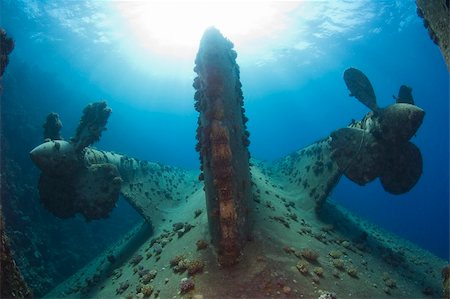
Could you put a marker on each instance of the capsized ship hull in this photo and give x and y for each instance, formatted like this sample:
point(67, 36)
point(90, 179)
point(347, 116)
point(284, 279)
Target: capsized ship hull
point(266, 229)
point(293, 251)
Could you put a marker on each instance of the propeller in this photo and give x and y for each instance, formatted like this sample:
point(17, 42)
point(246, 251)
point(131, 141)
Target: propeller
point(379, 146)
point(69, 184)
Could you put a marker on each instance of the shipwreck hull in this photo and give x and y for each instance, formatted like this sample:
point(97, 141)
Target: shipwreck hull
point(341, 253)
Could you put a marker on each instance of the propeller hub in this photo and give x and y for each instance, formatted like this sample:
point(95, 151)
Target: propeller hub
point(399, 122)
point(55, 157)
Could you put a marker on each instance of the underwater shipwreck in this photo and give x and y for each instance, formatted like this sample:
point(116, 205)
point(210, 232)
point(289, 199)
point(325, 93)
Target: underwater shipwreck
point(242, 228)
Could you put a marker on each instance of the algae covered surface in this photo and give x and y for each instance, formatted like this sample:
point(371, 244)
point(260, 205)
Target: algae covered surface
point(297, 149)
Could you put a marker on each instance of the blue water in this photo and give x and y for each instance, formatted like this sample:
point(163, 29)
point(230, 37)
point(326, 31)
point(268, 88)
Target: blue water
point(293, 87)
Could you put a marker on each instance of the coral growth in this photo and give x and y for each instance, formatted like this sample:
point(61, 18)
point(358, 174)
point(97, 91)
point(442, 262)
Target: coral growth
point(122, 287)
point(186, 285)
point(149, 276)
point(180, 263)
point(339, 264)
point(327, 295)
point(335, 254)
point(176, 260)
point(146, 290)
point(219, 134)
point(221, 153)
point(12, 283)
point(352, 271)
point(303, 267)
point(177, 226)
point(318, 271)
point(185, 229)
point(194, 267)
point(310, 254)
point(201, 244)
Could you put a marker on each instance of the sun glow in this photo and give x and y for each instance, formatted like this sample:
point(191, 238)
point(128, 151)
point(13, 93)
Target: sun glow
point(174, 29)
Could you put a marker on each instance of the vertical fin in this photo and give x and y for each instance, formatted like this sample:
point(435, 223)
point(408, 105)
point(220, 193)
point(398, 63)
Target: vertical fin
point(222, 143)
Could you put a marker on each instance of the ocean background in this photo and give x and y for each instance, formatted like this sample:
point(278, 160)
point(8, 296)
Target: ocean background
point(139, 57)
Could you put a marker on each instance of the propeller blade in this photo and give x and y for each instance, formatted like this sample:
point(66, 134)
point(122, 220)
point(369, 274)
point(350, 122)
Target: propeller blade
point(52, 127)
point(58, 195)
point(399, 122)
point(92, 124)
point(92, 191)
point(403, 168)
point(358, 154)
point(98, 189)
point(405, 95)
point(360, 87)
